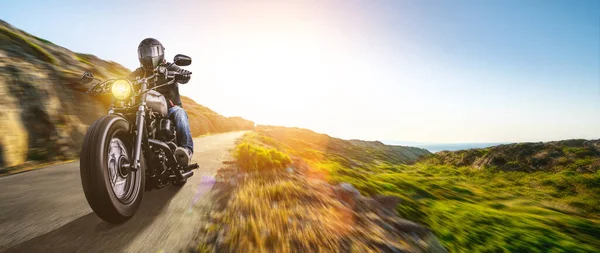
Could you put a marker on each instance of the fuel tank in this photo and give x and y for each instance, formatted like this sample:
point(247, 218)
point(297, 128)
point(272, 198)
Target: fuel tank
point(157, 102)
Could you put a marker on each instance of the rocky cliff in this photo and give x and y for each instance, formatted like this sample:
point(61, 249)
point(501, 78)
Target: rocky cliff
point(577, 155)
point(44, 116)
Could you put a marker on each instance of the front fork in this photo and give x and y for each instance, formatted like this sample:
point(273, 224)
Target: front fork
point(139, 122)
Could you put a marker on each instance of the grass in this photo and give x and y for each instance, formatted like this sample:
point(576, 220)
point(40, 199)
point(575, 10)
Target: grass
point(29, 166)
point(496, 228)
point(469, 209)
point(269, 209)
point(502, 211)
point(43, 40)
point(83, 58)
point(41, 53)
point(253, 157)
point(266, 213)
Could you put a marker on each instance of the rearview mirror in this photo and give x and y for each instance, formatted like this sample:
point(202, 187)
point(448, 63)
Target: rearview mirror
point(87, 77)
point(182, 60)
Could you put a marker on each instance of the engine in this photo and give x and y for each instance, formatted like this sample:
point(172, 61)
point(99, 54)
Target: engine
point(166, 130)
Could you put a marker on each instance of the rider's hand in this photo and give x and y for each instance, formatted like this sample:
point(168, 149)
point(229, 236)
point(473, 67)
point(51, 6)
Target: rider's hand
point(184, 76)
point(184, 72)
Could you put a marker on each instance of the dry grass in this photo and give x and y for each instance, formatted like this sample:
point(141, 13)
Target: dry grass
point(287, 212)
point(284, 215)
point(252, 157)
point(29, 166)
point(280, 207)
point(497, 211)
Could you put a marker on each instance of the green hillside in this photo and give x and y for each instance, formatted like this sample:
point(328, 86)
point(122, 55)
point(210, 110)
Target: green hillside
point(471, 207)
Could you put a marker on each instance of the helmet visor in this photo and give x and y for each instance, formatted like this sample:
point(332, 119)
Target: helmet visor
point(153, 51)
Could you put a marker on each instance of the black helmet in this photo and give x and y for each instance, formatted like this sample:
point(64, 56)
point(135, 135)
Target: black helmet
point(151, 53)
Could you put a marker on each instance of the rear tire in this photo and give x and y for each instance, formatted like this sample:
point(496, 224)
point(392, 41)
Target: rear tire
point(113, 194)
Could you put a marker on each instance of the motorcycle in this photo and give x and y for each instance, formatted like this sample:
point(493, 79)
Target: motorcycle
point(130, 150)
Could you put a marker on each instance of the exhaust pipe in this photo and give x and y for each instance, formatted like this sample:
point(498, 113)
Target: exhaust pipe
point(187, 174)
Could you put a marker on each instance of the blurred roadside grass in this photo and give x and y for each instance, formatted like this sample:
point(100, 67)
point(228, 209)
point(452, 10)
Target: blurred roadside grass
point(255, 158)
point(284, 214)
point(264, 207)
point(470, 210)
point(474, 210)
point(29, 166)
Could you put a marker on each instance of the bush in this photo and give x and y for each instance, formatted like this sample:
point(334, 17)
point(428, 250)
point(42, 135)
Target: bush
point(251, 157)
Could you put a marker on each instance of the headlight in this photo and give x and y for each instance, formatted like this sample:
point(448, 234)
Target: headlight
point(121, 89)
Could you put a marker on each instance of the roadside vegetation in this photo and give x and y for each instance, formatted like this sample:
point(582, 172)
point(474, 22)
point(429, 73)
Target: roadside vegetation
point(268, 201)
point(31, 46)
point(469, 208)
point(488, 210)
point(251, 157)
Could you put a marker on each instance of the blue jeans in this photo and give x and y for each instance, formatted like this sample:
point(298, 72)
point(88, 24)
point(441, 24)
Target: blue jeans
point(182, 126)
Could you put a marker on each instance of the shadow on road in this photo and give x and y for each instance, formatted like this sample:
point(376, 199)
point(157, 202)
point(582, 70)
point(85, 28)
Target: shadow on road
point(91, 234)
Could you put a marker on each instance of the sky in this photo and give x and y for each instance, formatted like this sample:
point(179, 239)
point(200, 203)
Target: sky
point(427, 71)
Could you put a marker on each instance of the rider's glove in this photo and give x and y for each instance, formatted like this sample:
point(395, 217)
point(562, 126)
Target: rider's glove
point(184, 76)
point(185, 72)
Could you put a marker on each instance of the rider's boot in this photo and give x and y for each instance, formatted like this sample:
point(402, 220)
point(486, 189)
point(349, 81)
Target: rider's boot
point(183, 155)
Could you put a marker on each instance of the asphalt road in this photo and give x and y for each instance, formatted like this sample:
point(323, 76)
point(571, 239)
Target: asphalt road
point(45, 210)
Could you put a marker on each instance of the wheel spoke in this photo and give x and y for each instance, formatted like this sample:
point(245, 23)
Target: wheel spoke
point(117, 155)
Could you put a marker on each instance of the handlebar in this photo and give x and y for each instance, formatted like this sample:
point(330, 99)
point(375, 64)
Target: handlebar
point(174, 74)
point(171, 76)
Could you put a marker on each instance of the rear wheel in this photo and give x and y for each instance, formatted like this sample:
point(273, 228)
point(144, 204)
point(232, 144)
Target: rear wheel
point(113, 191)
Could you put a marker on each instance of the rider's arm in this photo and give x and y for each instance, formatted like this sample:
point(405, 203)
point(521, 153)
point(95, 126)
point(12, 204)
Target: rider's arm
point(138, 72)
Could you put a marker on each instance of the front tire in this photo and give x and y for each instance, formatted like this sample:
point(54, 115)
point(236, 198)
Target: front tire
point(113, 193)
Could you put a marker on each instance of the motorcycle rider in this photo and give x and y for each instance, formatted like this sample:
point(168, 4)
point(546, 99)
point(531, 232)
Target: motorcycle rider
point(151, 54)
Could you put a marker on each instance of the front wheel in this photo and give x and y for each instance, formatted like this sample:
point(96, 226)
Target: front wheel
point(113, 191)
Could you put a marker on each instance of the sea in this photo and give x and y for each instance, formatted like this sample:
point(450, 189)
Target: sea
point(436, 147)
